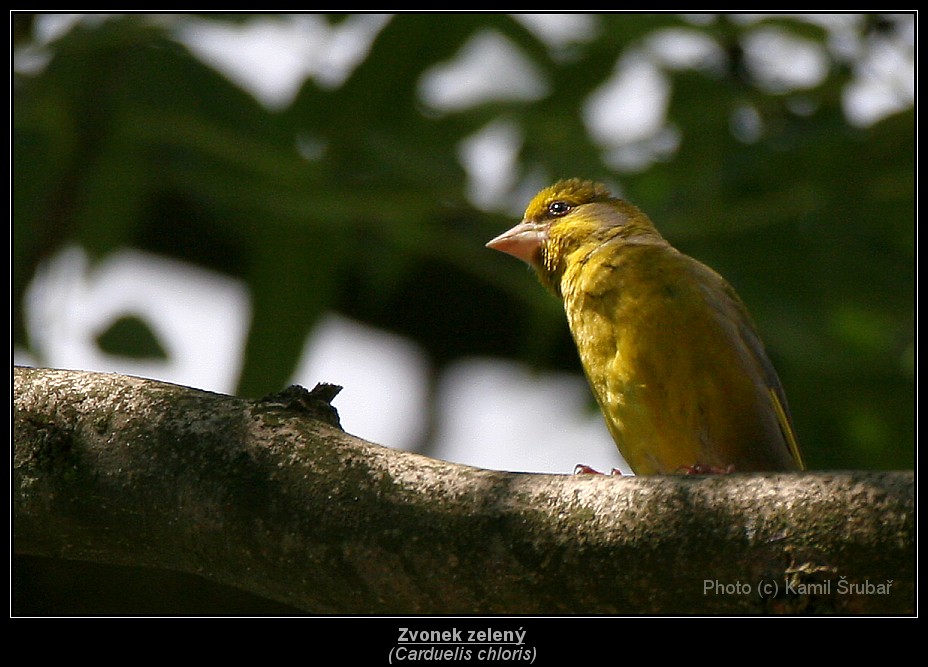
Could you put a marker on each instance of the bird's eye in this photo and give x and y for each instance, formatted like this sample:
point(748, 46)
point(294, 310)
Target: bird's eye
point(558, 208)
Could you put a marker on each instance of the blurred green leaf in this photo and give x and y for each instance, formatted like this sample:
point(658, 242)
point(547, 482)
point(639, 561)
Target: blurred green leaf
point(131, 336)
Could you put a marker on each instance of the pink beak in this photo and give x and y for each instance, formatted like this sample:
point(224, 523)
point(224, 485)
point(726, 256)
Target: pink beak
point(522, 241)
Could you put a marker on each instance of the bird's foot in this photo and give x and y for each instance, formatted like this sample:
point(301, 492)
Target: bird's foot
point(581, 469)
point(703, 469)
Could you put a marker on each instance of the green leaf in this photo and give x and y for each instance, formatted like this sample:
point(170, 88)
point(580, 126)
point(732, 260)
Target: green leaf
point(130, 336)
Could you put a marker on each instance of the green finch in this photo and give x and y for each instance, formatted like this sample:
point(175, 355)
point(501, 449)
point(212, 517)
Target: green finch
point(669, 350)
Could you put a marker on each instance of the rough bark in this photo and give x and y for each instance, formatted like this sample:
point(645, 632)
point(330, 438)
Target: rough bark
point(271, 496)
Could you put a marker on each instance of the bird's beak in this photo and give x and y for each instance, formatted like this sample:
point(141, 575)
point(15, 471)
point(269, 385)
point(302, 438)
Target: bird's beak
point(523, 241)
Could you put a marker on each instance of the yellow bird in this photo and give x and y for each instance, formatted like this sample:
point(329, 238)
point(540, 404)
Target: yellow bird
point(668, 348)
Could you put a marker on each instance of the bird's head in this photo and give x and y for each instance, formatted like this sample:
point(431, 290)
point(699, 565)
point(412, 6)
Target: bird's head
point(569, 220)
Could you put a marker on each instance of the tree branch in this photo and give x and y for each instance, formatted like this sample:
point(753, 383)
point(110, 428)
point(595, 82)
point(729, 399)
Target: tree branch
point(272, 497)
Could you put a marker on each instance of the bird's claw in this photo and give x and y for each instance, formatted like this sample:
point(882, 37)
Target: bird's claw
point(581, 469)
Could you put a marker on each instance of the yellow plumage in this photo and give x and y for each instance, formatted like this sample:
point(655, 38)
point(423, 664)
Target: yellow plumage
point(669, 349)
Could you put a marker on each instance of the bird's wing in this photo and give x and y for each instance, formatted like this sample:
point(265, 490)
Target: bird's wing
point(775, 391)
point(783, 419)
